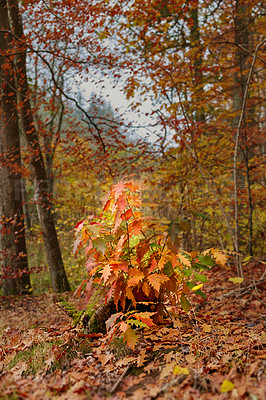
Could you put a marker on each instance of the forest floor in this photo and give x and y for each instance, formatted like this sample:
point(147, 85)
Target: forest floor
point(216, 351)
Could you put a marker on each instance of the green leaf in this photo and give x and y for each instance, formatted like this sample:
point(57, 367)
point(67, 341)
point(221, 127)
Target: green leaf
point(185, 304)
point(227, 386)
point(168, 269)
point(137, 323)
point(200, 266)
point(200, 293)
point(187, 273)
point(207, 260)
point(190, 285)
point(200, 278)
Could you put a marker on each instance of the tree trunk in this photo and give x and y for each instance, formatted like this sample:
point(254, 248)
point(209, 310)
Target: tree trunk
point(242, 20)
point(13, 252)
point(53, 253)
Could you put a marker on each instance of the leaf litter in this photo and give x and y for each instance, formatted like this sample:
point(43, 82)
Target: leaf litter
point(215, 351)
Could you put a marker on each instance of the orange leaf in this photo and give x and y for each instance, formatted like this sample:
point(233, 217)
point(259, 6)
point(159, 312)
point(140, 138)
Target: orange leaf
point(123, 326)
point(130, 296)
point(106, 272)
point(137, 276)
point(146, 288)
point(107, 205)
point(136, 227)
point(126, 215)
point(156, 280)
point(145, 317)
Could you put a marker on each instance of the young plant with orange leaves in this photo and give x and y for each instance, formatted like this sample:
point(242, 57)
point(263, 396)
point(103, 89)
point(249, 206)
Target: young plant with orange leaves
point(134, 261)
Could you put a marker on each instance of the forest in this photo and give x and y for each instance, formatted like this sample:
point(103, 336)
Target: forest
point(132, 199)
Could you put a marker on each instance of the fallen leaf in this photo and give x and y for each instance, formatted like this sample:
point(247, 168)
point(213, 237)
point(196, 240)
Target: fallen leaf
point(236, 280)
point(227, 386)
point(180, 371)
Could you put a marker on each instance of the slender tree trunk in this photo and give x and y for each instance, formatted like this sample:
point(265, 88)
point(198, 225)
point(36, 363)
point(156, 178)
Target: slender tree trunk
point(197, 63)
point(53, 253)
point(242, 17)
point(13, 252)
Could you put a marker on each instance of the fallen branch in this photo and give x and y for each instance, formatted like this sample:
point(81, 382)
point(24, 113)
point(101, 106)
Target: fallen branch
point(115, 387)
point(242, 290)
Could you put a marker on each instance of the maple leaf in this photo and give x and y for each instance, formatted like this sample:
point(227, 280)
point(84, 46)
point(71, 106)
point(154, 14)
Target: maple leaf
point(156, 280)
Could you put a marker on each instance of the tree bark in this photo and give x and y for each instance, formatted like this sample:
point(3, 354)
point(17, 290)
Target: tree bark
point(53, 253)
point(13, 252)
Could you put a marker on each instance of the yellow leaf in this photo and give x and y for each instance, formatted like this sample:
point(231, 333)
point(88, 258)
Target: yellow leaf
point(180, 371)
point(227, 386)
point(236, 280)
point(197, 287)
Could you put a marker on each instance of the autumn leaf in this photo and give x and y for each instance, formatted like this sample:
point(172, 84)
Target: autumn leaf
point(227, 386)
point(184, 260)
point(99, 244)
point(145, 317)
point(130, 296)
point(130, 338)
point(206, 328)
point(219, 257)
point(156, 280)
point(112, 320)
point(127, 215)
point(236, 280)
point(123, 326)
point(137, 276)
point(185, 304)
point(106, 272)
point(146, 288)
point(141, 358)
point(197, 287)
point(180, 371)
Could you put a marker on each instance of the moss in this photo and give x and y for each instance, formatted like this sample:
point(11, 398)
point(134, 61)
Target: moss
point(35, 357)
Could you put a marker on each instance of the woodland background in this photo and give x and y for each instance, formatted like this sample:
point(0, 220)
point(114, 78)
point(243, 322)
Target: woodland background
point(199, 150)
